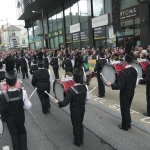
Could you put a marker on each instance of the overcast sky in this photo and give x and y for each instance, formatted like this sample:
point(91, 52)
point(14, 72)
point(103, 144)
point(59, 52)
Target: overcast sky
point(8, 10)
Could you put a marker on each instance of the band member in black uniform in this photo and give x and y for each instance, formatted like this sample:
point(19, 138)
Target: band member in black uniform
point(95, 56)
point(98, 68)
point(34, 67)
point(77, 96)
point(42, 79)
point(12, 105)
point(67, 65)
point(2, 72)
point(55, 64)
point(126, 85)
point(46, 61)
point(24, 68)
point(147, 81)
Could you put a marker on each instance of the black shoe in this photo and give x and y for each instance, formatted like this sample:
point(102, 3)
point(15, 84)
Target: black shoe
point(129, 127)
point(146, 114)
point(44, 112)
point(120, 127)
point(100, 96)
point(75, 144)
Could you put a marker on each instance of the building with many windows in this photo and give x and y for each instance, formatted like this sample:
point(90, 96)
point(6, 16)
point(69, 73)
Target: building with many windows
point(79, 23)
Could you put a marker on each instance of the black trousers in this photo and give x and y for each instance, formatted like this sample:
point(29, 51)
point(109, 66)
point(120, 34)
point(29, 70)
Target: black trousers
point(101, 86)
point(56, 73)
point(17, 132)
point(77, 116)
point(148, 97)
point(45, 101)
point(25, 73)
point(126, 97)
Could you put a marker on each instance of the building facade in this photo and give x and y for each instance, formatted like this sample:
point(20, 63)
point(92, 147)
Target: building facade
point(79, 23)
point(14, 36)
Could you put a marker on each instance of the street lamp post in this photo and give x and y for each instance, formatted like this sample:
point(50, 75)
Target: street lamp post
point(41, 12)
point(8, 30)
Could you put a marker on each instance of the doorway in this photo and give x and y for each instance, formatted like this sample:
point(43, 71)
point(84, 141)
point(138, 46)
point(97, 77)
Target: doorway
point(122, 41)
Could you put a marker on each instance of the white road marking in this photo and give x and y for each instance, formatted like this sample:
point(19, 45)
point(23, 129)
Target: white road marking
point(144, 120)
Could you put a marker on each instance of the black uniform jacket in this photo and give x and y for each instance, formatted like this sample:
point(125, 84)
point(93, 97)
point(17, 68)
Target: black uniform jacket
point(33, 68)
point(22, 62)
point(54, 63)
point(99, 65)
point(40, 80)
point(127, 80)
point(75, 100)
point(67, 65)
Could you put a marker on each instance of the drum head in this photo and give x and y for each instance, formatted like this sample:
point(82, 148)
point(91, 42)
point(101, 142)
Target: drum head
point(109, 73)
point(1, 128)
point(139, 68)
point(58, 90)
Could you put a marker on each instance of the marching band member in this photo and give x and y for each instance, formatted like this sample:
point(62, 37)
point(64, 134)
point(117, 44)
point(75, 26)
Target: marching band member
point(34, 67)
point(98, 68)
point(46, 61)
point(67, 65)
point(77, 96)
point(12, 105)
point(126, 85)
point(24, 67)
point(42, 79)
point(55, 63)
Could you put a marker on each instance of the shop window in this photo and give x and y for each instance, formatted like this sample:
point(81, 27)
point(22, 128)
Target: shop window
point(54, 21)
point(67, 30)
point(52, 43)
point(36, 28)
point(84, 44)
point(67, 14)
point(107, 6)
point(83, 13)
point(50, 24)
point(23, 41)
point(56, 42)
point(61, 39)
point(60, 20)
point(74, 13)
point(84, 25)
point(98, 7)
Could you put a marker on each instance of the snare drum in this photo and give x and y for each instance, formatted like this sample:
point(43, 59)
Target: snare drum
point(1, 128)
point(60, 88)
point(141, 67)
point(4, 86)
point(111, 72)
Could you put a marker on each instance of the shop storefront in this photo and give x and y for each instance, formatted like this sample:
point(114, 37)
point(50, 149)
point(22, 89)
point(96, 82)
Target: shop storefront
point(130, 27)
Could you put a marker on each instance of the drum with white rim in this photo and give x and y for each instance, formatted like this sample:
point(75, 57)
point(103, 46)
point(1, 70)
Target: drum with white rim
point(141, 67)
point(1, 128)
point(111, 71)
point(60, 88)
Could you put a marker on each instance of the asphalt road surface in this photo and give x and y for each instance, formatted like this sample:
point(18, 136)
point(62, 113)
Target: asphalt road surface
point(54, 131)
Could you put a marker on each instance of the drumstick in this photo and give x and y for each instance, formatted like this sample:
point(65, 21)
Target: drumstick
point(92, 90)
point(103, 77)
point(33, 92)
point(49, 95)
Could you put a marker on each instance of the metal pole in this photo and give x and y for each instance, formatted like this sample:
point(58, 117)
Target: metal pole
point(43, 27)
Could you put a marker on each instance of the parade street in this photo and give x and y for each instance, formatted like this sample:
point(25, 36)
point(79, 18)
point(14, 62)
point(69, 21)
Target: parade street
point(54, 131)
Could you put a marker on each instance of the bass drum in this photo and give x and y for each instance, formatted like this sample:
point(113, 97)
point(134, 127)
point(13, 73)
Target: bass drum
point(141, 67)
point(111, 72)
point(1, 128)
point(60, 88)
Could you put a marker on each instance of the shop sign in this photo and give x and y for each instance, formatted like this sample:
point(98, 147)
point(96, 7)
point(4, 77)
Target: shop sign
point(129, 12)
point(37, 39)
point(100, 21)
point(69, 38)
point(60, 32)
point(53, 34)
point(84, 35)
point(31, 40)
point(99, 32)
point(76, 37)
point(75, 28)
